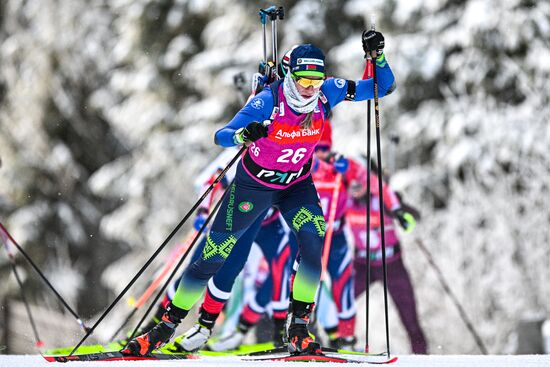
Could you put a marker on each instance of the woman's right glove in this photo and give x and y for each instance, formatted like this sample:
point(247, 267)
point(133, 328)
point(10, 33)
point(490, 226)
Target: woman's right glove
point(252, 132)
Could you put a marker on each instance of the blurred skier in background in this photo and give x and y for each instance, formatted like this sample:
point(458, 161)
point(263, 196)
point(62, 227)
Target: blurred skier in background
point(399, 283)
point(327, 166)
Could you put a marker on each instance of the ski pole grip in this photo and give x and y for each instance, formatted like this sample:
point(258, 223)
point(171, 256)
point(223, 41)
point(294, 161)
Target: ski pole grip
point(281, 13)
point(267, 11)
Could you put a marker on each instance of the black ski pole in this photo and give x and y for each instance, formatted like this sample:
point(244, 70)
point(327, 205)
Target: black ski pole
point(180, 263)
point(8, 236)
point(451, 295)
point(367, 201)
point(161, 247)
point(39, 343)
point(381, 196)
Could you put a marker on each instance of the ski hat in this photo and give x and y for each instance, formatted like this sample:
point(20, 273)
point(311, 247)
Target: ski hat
point(326, 136)
point(307, 60)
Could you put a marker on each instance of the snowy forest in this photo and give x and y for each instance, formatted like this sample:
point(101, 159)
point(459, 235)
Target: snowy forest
point(108, 110)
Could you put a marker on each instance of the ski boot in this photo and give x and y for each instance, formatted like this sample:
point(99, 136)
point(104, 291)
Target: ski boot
point(233, 340)
point(196, 337)
point(299, 339)
point(158, 336)
point(157, 317)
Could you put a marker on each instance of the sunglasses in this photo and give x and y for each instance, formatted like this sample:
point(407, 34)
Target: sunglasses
point(306, 82)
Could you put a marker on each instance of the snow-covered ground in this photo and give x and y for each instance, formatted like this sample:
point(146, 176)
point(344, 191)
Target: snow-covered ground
point(404, 361)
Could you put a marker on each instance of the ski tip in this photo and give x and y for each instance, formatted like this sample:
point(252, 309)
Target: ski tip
point(49, 358)
point(62, 359)
point(392, 360)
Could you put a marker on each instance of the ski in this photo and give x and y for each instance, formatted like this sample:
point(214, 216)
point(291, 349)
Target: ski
point(325, 357)
point(304, 358)
point(275, 354)
point(243, 349)
point(323, 349)
point(351, 352)
point(85, 349)
point(117, 356)
point(267, 352)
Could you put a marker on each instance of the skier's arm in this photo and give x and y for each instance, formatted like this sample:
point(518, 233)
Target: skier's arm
point(336, 89)
point(391, 200)
point(385, 78)
point(258, 109)
point(373, 45)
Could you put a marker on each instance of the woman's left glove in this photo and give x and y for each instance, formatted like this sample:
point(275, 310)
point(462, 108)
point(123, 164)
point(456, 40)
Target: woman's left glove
point(373, 42)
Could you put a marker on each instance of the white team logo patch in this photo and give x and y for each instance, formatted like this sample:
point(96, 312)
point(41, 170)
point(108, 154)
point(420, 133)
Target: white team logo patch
point(311, 61)
point(340, 83)
point(257, 103)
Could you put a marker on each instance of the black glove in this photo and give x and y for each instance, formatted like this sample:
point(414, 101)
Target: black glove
point(406, 220)
point(252, 132)
point(373, 41)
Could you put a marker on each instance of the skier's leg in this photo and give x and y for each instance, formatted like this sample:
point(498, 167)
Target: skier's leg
point(280, 268)
point(360, 276)
point(340, 269)
point(270, 239)
point(402, 293)
point(218, 291)
point(302, 211)
point(326, 312)
point(278, 247)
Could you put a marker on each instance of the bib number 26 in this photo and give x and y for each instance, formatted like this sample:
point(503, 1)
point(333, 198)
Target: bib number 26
point(291, 155)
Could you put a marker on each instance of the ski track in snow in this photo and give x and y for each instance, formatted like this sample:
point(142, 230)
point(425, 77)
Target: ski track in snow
point(404, 361)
